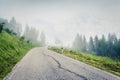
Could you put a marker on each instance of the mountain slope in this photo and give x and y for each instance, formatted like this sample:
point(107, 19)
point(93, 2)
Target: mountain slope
point(12, 49)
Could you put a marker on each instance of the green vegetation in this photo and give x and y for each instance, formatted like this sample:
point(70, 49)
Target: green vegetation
point(12, 49)
point(103, 63)
point(1, 27)
point(104, 46)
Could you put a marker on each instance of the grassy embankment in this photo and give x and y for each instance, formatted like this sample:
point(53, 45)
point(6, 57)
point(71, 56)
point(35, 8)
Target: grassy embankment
point(103, 63)
point(12, 49)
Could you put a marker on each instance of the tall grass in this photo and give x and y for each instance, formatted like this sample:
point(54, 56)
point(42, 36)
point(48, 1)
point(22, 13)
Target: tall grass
point(103, 63)
point(12, 49)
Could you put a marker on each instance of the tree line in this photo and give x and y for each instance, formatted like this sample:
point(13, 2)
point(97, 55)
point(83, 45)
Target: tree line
point(103, 46)
point(30, 34)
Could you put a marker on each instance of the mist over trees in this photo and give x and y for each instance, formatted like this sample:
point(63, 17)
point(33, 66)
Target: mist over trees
point(43, 39)
point(109, 47)
point(12, 26)
point(30, 34)
point(15, 26)
point(76, 44)
point(80, 43)
point(58, 42)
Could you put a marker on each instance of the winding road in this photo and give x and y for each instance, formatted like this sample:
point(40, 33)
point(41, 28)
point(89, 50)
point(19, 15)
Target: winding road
point(43, 64)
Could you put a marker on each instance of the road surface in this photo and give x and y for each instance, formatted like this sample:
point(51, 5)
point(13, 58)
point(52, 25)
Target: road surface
point(43, 64)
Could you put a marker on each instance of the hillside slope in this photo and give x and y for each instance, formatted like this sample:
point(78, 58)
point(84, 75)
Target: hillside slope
point(100, 62)
point(12, 49)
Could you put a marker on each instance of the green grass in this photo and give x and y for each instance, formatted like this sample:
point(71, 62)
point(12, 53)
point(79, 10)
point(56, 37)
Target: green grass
point(103, 63)
point(12, 49)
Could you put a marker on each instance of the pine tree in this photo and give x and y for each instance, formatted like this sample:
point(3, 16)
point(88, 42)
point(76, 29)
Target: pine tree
point(80, 43)
point(15, 26)
point(84, 44)
point(96, 44)
point(1, 27)
point(76, 43)
point(102, 46)
point(43, 40)
point(91, 45)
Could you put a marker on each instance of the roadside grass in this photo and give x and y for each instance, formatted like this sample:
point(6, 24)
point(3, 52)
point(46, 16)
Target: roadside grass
point(103, 63)
point(12, 49)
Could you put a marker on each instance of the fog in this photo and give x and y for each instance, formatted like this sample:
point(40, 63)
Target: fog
point(63, 19)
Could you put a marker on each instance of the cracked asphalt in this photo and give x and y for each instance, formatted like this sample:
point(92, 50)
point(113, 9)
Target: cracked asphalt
point(43, 64)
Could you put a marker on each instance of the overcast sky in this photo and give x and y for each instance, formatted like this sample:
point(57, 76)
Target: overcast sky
point(63, 19)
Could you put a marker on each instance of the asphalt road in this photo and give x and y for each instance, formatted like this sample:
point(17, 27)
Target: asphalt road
point(43, 64)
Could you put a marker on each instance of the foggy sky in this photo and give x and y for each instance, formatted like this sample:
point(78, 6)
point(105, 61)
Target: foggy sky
point(63, 19)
